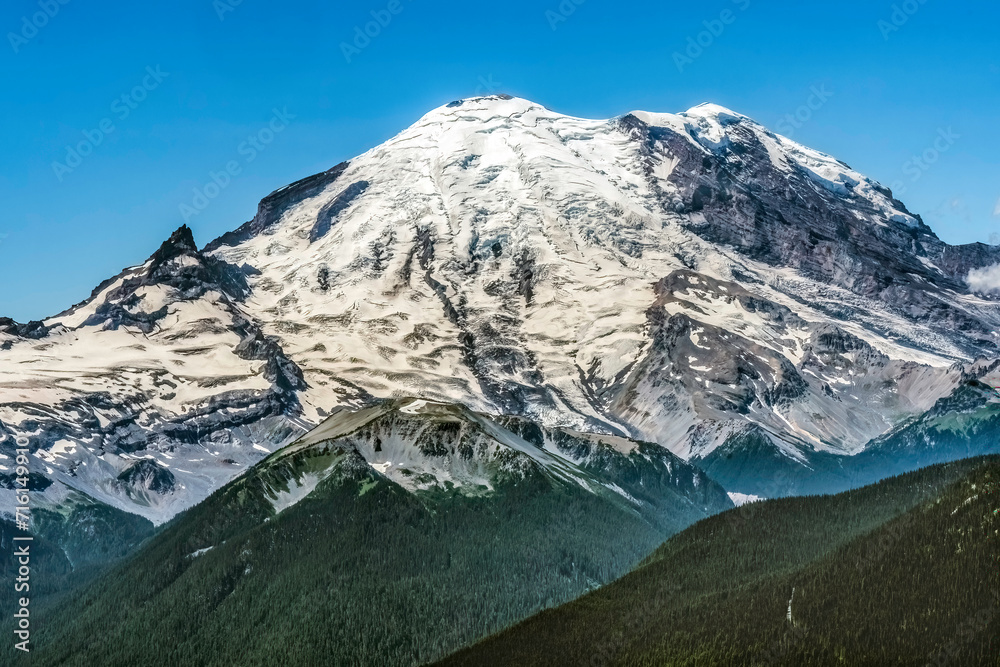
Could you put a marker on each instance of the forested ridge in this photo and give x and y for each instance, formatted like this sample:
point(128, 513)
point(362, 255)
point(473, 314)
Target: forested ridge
point(359, 572)
point(903, 572)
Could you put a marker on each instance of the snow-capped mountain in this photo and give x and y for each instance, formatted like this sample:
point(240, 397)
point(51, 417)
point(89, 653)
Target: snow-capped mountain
point(687, 279)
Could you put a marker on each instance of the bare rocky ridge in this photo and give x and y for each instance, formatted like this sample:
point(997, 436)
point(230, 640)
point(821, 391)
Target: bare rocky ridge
point(425, 447)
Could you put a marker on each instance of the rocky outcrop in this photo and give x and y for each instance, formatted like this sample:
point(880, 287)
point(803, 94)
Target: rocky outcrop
point(272, 207)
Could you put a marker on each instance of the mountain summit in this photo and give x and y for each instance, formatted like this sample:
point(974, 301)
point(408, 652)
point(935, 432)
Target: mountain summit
point(693, 280)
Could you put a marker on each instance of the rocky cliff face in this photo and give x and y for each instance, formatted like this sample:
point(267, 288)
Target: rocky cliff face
point(692, 280)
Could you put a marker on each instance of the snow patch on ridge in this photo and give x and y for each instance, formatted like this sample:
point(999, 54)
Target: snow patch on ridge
point(740, 499)
point(298, 490)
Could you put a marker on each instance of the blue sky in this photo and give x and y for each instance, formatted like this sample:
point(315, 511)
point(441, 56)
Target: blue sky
point(200, 76)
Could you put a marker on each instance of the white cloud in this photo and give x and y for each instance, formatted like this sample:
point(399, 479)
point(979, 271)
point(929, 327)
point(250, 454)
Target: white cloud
point(996, 211)
point(985, 280)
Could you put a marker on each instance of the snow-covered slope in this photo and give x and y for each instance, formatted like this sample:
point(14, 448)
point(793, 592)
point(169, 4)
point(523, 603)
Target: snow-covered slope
point(677, 278)
point(152, 393)
point(517, 260)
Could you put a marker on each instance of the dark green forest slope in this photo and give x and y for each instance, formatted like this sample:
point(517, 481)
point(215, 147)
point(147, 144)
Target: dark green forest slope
point(904, 572)
point(71, 545)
